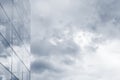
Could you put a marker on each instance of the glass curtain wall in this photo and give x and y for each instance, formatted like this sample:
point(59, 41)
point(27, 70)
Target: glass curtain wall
point(14, 40)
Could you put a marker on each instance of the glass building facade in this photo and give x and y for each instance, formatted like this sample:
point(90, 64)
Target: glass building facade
point(14, 40)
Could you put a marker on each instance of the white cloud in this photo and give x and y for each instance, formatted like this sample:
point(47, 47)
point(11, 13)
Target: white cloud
point(78, 28)
point(104, 64)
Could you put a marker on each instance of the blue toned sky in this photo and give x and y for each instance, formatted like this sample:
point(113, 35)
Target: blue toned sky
point(75, 39)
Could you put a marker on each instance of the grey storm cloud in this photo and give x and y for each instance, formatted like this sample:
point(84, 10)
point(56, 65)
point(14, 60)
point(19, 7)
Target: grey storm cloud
point(45, 48)
point(109, 18)
point(41, 47)
point(109, 10)
point(41, 66)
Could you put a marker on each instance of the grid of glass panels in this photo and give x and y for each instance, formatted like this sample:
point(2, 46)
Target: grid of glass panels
point(14, 40)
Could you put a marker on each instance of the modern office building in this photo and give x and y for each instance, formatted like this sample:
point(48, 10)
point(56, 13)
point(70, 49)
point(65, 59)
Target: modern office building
point(14, 40)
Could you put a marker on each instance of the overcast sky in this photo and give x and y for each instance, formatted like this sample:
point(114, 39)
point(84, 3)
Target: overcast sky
point(75, 39)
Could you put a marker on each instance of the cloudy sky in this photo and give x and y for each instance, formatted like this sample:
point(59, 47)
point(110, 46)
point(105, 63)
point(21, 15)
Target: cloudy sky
point(75, 39)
